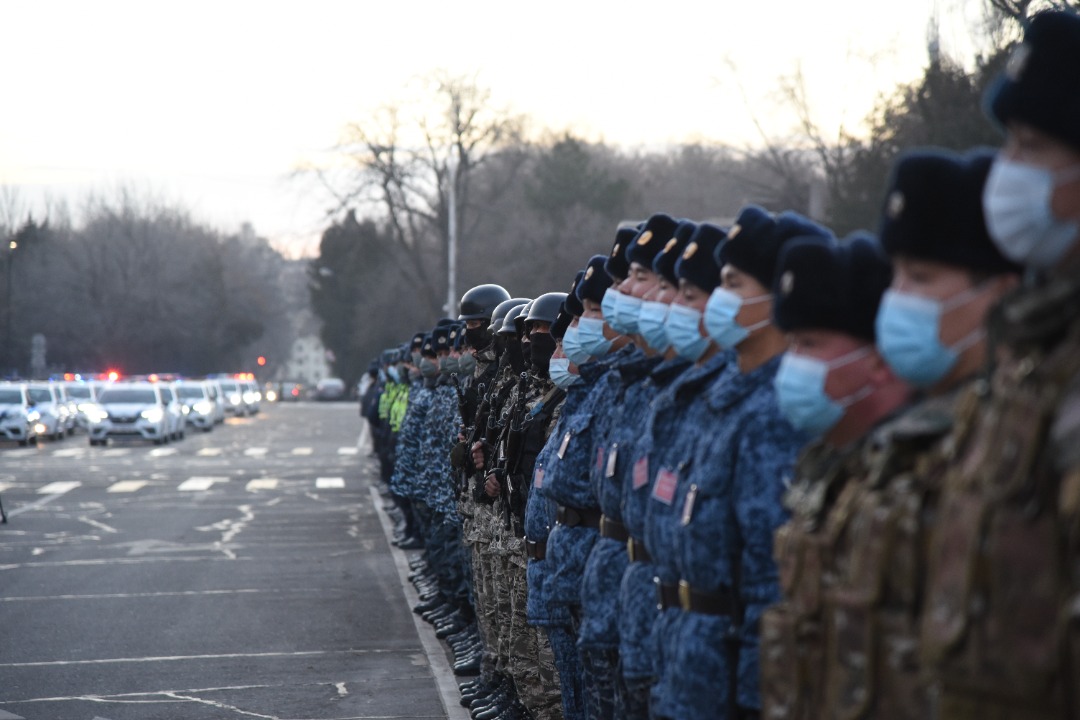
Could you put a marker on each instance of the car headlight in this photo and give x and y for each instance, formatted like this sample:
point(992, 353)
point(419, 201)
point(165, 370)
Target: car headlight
point(154, 414)
point(94, 413)
point(271, 396)
point(203, 407)
point(33, 416)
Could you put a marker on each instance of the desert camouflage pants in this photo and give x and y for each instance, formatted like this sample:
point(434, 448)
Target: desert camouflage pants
point(532, 664)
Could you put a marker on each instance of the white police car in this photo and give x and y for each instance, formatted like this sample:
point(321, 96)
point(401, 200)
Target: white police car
point(18, 418)
point(130, 409)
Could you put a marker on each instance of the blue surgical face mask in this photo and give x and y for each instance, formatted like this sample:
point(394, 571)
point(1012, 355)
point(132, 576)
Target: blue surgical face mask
point(1016, 201)
point(428, 367)
point(720, 313)
point(559, 372)
point(610, 304)
point(651, 321)
point(591, 335)
point(467, 363)
point(627, 310)
point(571, 344)
point(800, 391)
point(683, 332)
point(909, 335)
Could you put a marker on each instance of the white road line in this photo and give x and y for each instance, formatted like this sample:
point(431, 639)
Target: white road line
point(256, 451)
point(261, 484)
point(209, 452)
point(445, 680)
point(199, 483)
point(348, 450)
point(303, 451)
point(116, 452)
point(59, 488)
point(163, 452)
point(178, 593)
point(127, 486)
point(329, 483)
point(21, 452)
point(203, 658)
point(4, 486)
point(70, 452)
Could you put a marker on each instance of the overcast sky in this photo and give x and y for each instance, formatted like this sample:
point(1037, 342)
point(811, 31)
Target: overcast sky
point(213, 104)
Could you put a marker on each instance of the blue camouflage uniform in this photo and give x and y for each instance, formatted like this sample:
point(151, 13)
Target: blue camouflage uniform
point(406, 480)
point(668, 448)
point(725, 511)
point(637, 597)
point(598, 634)
point(539, 519)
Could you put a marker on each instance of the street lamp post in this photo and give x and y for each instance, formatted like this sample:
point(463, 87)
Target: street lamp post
point(9, 353)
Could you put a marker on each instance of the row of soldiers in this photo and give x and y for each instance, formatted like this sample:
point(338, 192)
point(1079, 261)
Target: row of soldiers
point(760, 471)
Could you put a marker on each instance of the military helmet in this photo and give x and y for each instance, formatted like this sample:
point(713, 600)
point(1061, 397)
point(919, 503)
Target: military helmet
point(508, 327)
point(545, 308)
point(500, 311)
point(519, 319)
point(481, 301)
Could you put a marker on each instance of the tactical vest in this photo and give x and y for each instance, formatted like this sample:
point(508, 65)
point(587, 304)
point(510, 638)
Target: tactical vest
point(1001, 626)
point(851, 567)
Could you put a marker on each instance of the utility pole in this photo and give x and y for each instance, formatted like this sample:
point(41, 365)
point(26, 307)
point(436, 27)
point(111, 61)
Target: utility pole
point(451, 237)
point(9, 351)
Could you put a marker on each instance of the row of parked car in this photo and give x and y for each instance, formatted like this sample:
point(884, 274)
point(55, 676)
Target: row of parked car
point(154, 410)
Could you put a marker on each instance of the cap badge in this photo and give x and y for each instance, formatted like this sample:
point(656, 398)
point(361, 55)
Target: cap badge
point(588, 273)
point(735, 230)
point(1018, 61)
point(894, 207)
point(670, 244)
point(690, 250)
point(787, 283)
point(615, 250)
point(442, 340)
point(644, 238)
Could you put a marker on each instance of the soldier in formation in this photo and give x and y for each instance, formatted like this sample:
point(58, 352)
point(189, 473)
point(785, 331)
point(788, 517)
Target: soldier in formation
point(756, 470)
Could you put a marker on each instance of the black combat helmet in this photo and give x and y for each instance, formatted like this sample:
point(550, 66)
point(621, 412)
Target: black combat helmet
point(545, 308)
point(481, 301)
point(509, 327)
point(500, 311)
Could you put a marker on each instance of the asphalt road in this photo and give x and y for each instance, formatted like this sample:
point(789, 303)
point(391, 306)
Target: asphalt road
point(236, 574)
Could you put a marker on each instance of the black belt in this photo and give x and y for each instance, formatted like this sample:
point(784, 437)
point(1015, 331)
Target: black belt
point(611, 528)
point(721, 602)
point(536, 550)
point(635, 550)
point(667, 596)
point(575, 517)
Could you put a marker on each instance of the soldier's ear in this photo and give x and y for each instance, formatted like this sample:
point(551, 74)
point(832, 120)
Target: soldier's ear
point(880, 374)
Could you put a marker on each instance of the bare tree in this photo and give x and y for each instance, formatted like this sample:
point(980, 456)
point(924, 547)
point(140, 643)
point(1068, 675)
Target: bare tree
point(409, 159)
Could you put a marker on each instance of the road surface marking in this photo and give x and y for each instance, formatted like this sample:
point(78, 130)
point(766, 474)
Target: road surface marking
point(70, 452)
point(303, 451)
point(203, 658)
point(5, 715)
point(261, 484)
point(348, 450)
point(329, 483)
point(256, 451)
point(5, 486)
point(200, 483)
point(127, 486)
point(21, 452)
point(116, 452)
point(163, 452)
point(59, 488)
point(209, 452)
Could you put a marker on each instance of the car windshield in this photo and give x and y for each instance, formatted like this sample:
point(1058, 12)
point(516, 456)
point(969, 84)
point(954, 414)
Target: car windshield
point(40, 394)
point(144, 396)
point(190, 392)
point(229, 387)
point(79, 392)
point(10, 396)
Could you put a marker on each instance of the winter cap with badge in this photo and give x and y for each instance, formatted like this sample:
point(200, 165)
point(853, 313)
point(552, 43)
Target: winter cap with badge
point(664, 262)
point(1041, 82)
point(933, 211)
point(440, 337)
point(755, 240)
point(822, 284)
point(697, 263)
point(650, 242)
point(616, 264)
point(427, 349)
point(572, 303)
point(595, 282)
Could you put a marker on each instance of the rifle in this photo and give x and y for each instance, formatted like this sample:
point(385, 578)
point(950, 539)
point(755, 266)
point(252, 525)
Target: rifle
point(515, 437)
point(461, 456)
